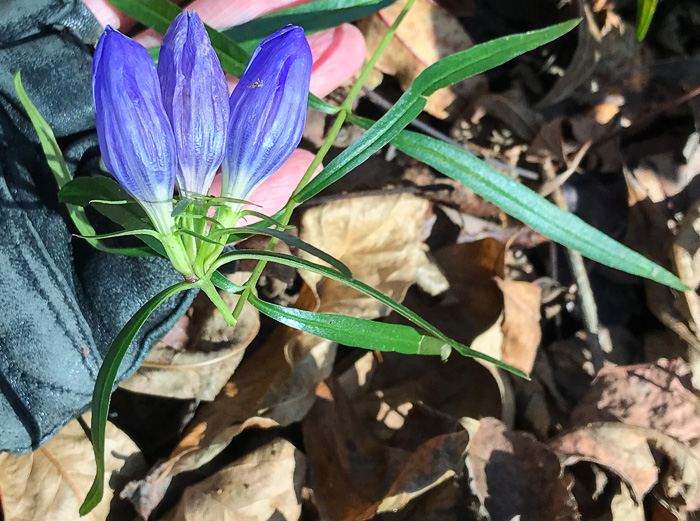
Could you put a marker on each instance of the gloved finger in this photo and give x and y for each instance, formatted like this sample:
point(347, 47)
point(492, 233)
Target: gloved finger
point(272, 195)
point(107, 14)
point(338, 53)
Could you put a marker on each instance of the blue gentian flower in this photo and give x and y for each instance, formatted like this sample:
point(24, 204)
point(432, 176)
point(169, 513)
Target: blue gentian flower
point(268, 111)
point(136, 139)
point(175, 124)
point(195, 96)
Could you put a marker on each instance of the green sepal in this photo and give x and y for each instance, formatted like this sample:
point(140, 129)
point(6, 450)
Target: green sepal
point(265, 220)
point(123, 233)
point(181, 207)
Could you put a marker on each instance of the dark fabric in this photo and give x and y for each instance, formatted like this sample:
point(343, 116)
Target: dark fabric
point(62, 302)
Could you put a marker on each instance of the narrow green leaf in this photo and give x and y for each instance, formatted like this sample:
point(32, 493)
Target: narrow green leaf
point(354, 332)
point(527, 206)
point(57, 165)
point(158, 14)
point(443, 73)
point(180, 207)
point(313, 17)
point(123, 233)
point(291, 240)
point(84, 190)
point(105, 383)
point(302, 264)
point(222, 282)
point(199, 236)
point(265, 220)
point(645, 12)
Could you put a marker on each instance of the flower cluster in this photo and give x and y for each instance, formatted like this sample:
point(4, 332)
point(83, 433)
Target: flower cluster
point(175, 124)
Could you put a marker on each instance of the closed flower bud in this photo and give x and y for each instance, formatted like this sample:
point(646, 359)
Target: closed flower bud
point(135, 136)
point(195, 97)
point(268, 111)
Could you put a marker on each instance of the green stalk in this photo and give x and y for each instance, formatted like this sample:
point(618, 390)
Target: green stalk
point(347, 104)
point(177, 254)
point(211, 292)
point(342, 114)
point(208, 252)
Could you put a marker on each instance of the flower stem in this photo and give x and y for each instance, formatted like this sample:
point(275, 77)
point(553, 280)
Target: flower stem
point(347, 104)
point(177, 254)
point(211, 292)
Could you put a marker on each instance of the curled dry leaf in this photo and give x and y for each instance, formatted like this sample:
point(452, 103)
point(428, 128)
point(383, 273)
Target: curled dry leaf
point(500, 321)
point(263, 485)
point(632, 453)
point(521, 323)
point(411, 399)
point(273, 387)
point(354, 475)
point(427, 33)
point(657, 395)
point(52, 481)
point(434, 462)
point(516, 477)
point(378, 238)
point(200, 354)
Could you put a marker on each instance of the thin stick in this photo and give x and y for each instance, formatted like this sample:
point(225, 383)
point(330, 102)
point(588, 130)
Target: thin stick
point(598, 342)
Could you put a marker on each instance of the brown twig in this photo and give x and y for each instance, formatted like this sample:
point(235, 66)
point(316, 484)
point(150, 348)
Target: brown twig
point(598, 341)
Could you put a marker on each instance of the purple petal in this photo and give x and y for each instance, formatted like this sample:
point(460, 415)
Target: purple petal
point(135, 137)
point(195, 96)
point(268, 111)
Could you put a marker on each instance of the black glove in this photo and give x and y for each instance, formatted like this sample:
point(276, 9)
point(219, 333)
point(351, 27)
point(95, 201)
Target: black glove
point(62, 302)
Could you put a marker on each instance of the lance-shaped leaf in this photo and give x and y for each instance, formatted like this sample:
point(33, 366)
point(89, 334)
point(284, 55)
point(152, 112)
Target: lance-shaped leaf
point(268, 111)
point(195, 97)
point(135, 136)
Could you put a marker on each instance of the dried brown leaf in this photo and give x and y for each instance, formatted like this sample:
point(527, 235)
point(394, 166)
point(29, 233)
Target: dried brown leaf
point(263, 485)
point(521, 323)
point(631, 453)
point(350, 469)
point(378, 238)
point(657, 395)
point(52, 481)
point(411, 399)
point(515, 476)
point(436, 461)
point(427, 33)
point(354, 475)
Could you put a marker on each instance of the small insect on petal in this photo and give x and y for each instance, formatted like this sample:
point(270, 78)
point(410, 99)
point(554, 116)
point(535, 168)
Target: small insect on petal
point(133, 130)
point(268, 111)
point(195, 97)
